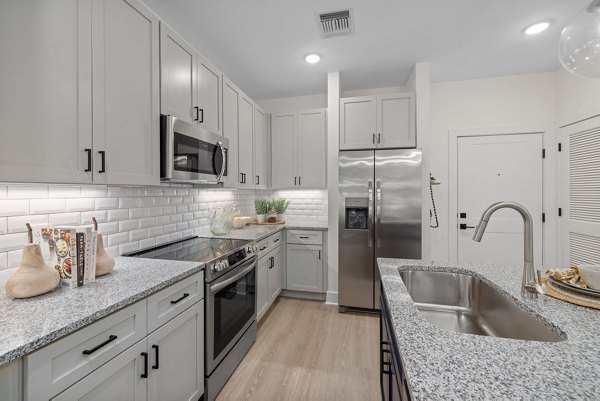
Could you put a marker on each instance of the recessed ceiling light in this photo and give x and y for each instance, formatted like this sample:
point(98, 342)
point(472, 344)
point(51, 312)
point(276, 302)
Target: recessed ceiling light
point(312, 58)
point(536, 28)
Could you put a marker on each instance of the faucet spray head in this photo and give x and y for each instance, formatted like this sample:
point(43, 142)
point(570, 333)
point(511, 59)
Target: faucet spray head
point(479, 230)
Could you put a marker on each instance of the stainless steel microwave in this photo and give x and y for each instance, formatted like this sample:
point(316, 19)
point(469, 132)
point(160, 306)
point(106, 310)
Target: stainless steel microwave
point(190, 154)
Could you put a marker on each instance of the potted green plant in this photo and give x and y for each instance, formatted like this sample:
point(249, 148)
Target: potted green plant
point(261, 207)
point(280, 206)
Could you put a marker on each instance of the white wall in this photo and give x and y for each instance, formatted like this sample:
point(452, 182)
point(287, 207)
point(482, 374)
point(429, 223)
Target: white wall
point(577, 98)
point(519, 100)
point(286, 104)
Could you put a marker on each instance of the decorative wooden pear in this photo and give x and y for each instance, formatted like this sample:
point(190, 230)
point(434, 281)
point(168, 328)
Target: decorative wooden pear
point(34, 277)
point(104, 262)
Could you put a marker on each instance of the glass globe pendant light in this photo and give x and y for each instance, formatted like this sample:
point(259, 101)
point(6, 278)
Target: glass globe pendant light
point(579, 50)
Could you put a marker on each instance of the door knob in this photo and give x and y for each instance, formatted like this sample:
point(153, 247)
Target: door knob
point(464, 226)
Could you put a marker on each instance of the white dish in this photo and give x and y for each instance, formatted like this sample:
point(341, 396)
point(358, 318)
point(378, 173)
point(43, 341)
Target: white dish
point(239, 222)
point(591, 275)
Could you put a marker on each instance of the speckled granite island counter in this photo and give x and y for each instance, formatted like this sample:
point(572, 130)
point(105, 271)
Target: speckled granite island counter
point(445, 365)
point(28, 324)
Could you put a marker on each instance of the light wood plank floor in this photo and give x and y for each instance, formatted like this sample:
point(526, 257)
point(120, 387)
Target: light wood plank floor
point(306, 350)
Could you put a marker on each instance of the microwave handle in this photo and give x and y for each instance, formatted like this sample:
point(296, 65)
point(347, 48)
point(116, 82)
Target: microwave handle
point(220, 145)
point(169, 151)
point(218, 287)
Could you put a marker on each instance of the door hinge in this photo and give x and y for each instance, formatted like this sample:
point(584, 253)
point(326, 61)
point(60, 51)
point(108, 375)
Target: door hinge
point(543, 153)
point(543, 217)
point(560, 212)
point(560, 147)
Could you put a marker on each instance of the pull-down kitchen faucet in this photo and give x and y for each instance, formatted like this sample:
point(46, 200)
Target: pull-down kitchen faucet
point(530, 284)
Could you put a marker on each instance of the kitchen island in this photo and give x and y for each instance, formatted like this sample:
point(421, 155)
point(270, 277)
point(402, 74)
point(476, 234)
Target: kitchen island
point(438, 364)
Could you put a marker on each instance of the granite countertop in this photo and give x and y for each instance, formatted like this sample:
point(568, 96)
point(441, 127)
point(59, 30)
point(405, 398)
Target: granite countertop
point(28, 324)
point(445, 365)
point(258, 232)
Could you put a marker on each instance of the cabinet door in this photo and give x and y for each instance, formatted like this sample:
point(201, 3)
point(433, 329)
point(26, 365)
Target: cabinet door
point(283, 151)
point(126, 115)
point(396, 121)
point(358, 122)
point(231, 97)
point(176, 357)
point(177, 76)
point(260, 148)
point(246, 142)
point(119, 379)
point(209, 96)
point(312, 149)
point(262, 286)
point(45, 91)
point(275, 270)
point(304, 268)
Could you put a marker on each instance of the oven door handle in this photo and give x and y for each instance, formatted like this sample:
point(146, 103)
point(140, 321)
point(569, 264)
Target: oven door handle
point(224, 157)
point(219, 286)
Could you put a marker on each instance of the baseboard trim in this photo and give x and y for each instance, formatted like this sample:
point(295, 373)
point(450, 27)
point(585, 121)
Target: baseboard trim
point(317, 296)
point(331, 298)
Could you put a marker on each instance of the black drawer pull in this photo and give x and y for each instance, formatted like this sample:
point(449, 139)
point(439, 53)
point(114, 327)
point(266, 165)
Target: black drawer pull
point(302, 237)
point(277, 240)
point(111, 338)
point(156, 350)
point(145, 374)
point(184, 296)
point(263, 248)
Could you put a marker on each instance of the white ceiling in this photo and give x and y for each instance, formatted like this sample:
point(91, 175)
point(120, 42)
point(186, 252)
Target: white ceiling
point(260, 44)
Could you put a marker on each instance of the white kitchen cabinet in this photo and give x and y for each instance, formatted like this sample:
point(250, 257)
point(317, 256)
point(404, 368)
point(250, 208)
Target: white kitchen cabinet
point(178, 71)
point(298, 149)
point(262, 286)
point(246, 142)
point(261, 146)
point(119, 379)
point(46, 91)
point(209, 95)
point(176, 357)
point(11, 381)
point(304, 268)
point(275, 275)
point(283, 150)
point(378, 122)
point(231, 95)
point(126, 110)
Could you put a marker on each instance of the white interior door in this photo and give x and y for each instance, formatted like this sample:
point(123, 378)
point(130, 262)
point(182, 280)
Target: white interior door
point(495, 168)
point(581, 193)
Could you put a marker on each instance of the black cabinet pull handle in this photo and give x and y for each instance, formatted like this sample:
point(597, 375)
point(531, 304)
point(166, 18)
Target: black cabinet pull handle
point(263, 248)
point(156, 351)
point(319, 254)
point(276, 240)
point(244, 177)
point(257, 180)
point(102, 161)
point(145, 374)
point(241, 178)
point(299, 180)
point(295, 178)
point(378, 138)
point(373, 138)
point(111, 338)
point(184, 296)
point(89, 160)
point(303, 237)
point(197, 112)
point(201, 118)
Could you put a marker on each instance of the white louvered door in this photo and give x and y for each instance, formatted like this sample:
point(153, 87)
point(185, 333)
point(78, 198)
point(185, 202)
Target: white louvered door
point(581, 193)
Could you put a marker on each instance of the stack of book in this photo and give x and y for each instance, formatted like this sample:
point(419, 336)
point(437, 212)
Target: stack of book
point(71, 251)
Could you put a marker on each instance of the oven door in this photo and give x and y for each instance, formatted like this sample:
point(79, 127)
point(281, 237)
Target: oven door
point(230, 310)
point(191, 154)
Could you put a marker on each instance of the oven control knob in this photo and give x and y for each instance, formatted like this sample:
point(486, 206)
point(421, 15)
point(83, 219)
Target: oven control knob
point(225, 264)
point(221, 266)
point(215, 268)
point(250, 249)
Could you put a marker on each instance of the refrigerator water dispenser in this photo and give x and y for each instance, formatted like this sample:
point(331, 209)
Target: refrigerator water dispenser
point(357, 213)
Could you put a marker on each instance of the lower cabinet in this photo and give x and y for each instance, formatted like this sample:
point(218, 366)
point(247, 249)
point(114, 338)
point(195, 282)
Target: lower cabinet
point(304, 267)
point(122, 357)
point(269, 274)
point(392, 380)
point(274, 275)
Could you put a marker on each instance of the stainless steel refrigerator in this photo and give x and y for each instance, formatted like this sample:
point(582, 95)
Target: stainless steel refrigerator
point(380, 217)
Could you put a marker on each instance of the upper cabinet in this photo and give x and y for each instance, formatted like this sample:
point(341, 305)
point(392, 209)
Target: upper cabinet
point(261, 146)
point(246, 142)
point(83, 59)
point(378, 122)
point(126, 113)
point(190, 84)
point(298, 149)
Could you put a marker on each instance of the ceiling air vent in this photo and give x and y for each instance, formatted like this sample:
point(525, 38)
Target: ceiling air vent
point(335, 23)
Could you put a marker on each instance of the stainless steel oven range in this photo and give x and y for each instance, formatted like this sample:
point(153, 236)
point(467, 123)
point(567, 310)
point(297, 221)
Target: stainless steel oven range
point(230, 301)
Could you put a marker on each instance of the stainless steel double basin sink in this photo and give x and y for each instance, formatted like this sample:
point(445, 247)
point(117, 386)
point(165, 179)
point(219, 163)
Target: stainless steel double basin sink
point(466, 304)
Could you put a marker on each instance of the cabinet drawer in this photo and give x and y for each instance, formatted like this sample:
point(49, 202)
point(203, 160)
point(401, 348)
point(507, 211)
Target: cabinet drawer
point(170, 302)
point(263, 247)
point(266, 245)
point(275, 240)
point(51, 369)
point(304, 237)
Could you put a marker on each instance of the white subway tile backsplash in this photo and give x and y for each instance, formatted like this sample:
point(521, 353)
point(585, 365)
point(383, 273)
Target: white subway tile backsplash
point(66, 219)
point(11, 242)
point(147, 222)
point(117, 239)
point(147, 201)
point(108, 228)
point(116, 192)
point(129, 202)
point(129, 247)
point(14, 207)
point(170, 228)
point(3, 225)
point(93, 191)
point(47, 206)
point(138, 235)
point(162, 220)
point(100, 215)
point(118, 214)
point(147, 243)
point(14, 258)
point(107, 203)
point(27, 192)
point(79, 204)
point(3, 260)
point(16, 224)
point(64, 191)
point(138, 213)
point(129, 225)
point(155, 231)
point(163, 239)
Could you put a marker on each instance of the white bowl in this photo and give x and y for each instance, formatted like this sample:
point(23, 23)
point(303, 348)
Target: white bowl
point(591, 275)
point(239, 222)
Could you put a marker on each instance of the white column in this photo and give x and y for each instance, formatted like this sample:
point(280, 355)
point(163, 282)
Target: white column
point(333, 147)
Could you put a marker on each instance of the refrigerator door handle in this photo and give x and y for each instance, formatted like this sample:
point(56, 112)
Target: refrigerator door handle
point(378, 212)
point(370, 216)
